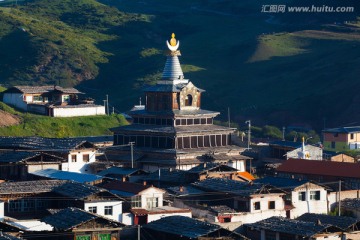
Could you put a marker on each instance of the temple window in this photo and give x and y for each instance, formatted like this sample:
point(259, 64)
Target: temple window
point(188, 100)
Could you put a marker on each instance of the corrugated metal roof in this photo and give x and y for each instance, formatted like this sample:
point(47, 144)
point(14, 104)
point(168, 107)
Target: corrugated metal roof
point(182, 226)
point(63, 175)
point(323, 168)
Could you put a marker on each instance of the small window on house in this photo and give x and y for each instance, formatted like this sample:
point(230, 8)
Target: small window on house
point(93, 209)
point(332, 144)
point(351, 136)
point(256, 205)
point(315, 195)
point(86, 157)
point(108, 210)
point(271, 204)
point(302, 196)
point(66, 98)
point(152, 202)
point(73, 158)
point(136, 202)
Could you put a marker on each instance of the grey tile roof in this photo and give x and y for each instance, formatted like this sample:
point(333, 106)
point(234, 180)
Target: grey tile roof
point(342, 222)
point(63, 175)
point(39, 186)
point(170, 129)
point(16, 156)
point(69, 218)
point(76, 190)
point(353, 129)
point(176, 113)
point(212, 166)
point(66, 188)
point(42, 89)
point(221, 209)
point(185, 190)
point(121, 171)
point(351, 203)
point(5, 236)
point(290, 226)
point(280, 182)
point(182, 226)
point(233, 187)
point(170, 175)
point(39, 143)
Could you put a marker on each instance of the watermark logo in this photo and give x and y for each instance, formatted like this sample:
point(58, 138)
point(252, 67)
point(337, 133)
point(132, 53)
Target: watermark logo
point(306, 9)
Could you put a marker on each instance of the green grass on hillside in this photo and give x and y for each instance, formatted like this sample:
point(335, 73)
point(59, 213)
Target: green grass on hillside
point(37, 125)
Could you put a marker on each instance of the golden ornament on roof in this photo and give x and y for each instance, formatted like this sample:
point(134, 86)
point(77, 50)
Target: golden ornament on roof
point(173, 40)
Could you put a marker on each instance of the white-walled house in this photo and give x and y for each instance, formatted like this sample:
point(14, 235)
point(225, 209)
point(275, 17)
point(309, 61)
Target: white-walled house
point(302, 196)
point(52, 101)
point(230, 201)
point(79, 153)
point(146, 202)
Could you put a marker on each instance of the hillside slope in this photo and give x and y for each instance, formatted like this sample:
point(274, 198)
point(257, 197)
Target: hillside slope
point(273, 68)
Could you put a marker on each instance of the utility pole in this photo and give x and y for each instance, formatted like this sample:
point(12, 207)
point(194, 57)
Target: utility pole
point(138, 232)
point(132, 153)
point(249, 133)
point(340, 198)
point(107, 104)
point(113, 111)
point(229, 116)
point(283, 133)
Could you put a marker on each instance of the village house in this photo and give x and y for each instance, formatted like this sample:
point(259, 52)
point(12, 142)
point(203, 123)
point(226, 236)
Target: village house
point(52, 101)
point(284, 228)
point(302, 196)
point(228, 201)
point(18, 165)
point(75, 223)
point(346, 224)
point(31, 199)
point(342, 138)
point(172, 131)
point(77, 154)
point(185, 228)
point(146, 202)
point(124, 174)
point(321, 171)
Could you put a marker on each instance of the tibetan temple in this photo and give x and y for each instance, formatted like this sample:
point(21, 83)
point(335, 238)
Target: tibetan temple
point(171, 130)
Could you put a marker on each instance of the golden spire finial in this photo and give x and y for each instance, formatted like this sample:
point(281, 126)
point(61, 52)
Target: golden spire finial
point(173, 40)
point(303, 139)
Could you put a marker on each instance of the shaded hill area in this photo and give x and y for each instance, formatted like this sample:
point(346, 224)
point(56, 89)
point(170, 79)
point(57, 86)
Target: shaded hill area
point(274, 68)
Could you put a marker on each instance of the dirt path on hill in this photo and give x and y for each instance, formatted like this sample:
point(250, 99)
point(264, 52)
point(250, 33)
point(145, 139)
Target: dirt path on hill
point(7, 119)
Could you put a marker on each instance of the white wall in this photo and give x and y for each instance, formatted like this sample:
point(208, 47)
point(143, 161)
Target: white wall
point(34, 168)
point(2, 210)
point(308, 206)
point(117, 208)
point(154, 217)
point(238, 164)
point(15, 99)
point(77, 111)
point(79, 166)
point(151, 193)
point(128, 218)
